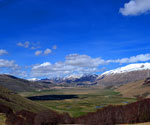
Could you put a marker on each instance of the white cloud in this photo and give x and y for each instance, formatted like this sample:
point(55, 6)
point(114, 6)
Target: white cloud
point(47, 51)
point(35, 46)
point(30, 45)
point(6, 63)
point(74, 63)
point(83, 60)
point(80, 64)
point(25, 44)
point(54, 47)
point(133, 59)
point(135, 7)
point(3, 52)
point(46, 64)
point(10, 67)
point(38, 52)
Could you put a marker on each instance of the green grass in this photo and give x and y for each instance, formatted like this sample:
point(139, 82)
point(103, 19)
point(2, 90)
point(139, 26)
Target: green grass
point(87, 101)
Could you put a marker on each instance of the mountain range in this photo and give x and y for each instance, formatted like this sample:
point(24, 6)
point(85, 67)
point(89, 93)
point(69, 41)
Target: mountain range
point(71, 80)
point(112, 78)
point(115, 77)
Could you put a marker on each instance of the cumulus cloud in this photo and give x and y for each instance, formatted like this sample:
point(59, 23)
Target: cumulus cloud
point(80, 64)
point(133, 59)
point(36, 46)
point(83, 60)
point(10, 67)
point(135, 7)
point(30, 45)
point(38, 52)
point(74, 64)
point(6, 63)
point(25, 44)
point(47, 51)
point(3, 52)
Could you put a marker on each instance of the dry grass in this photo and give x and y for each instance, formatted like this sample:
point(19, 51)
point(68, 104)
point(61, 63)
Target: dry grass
point(146, 123)
point(134, 89)
point(2, 119)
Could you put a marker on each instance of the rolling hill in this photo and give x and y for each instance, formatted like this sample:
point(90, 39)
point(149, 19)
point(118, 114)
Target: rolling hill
point(11, 104)
point(17, 102)
point(19, 85)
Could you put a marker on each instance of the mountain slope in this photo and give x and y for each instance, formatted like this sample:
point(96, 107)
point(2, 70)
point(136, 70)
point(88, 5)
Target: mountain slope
point(18, 85)
point(123, 75)
point(135, 89)
point(18, 103)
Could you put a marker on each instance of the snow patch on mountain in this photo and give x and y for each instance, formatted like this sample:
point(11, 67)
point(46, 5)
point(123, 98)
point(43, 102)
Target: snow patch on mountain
point(129, 68)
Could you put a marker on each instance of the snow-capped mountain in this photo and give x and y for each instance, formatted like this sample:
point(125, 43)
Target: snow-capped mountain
point(80, 78)
point(126, 74)
point(129, 68)
point(119, 76)
point(75, 79)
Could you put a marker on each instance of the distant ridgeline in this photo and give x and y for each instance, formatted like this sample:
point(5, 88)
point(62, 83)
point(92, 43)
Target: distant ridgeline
point(116, 77)
point(19, 85)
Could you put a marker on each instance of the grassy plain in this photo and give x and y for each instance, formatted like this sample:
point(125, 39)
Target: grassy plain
point(89, 99)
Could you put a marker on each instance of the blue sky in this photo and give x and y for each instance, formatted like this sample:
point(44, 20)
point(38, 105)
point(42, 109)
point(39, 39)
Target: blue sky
point(61, 37)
